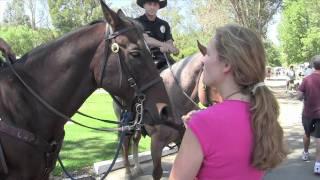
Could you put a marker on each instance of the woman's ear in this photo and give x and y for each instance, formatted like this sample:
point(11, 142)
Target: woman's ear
point(227, 68)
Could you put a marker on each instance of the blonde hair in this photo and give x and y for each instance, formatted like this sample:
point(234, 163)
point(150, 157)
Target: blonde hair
point(244, 51)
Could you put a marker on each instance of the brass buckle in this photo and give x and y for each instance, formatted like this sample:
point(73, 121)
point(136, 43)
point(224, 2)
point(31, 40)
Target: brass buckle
point(115, 47)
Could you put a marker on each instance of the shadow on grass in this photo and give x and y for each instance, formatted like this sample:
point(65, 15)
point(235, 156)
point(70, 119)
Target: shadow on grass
point(80, 154)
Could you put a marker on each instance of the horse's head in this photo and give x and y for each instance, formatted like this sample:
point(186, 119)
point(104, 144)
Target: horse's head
point(124, 67)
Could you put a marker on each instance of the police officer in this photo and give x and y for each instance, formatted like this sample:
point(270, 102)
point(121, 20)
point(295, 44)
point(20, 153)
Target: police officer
point(157, 32)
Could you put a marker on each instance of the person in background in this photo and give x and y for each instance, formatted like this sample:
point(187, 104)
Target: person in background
point(239, 138)
point(291, 77)
point(309, 92)
point(157, 32)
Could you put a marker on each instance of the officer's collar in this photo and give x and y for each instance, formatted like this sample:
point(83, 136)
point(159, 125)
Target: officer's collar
point(145, 18)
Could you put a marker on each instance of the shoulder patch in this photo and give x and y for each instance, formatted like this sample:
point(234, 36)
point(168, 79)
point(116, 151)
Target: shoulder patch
point(162, 29)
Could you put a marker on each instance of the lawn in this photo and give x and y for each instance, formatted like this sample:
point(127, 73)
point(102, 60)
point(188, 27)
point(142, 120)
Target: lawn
point(82, 147)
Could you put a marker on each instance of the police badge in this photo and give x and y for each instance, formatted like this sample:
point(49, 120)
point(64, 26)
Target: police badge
point(162, 29)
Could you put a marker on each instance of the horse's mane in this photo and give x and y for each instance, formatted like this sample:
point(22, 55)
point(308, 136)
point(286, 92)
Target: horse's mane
point(61, 39)
point(178, 66)
point(56, 42)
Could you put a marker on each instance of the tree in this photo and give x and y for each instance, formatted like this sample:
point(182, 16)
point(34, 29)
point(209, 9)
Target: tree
point(15, 14)
point(255, 14)
point(210, 15)
point(311, 41)
point(69, 14)
point(31, 5)
point(133, 10)
point(273, 54)
point(32, 13)
point(300, 30)
point(23, 39)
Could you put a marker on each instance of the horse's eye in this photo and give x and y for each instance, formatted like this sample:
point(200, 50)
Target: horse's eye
point(135, 54)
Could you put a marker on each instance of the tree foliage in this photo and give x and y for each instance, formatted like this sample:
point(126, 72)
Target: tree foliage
point(32, 13)
point(133, 10)
point(67, 15)
point(23, 38)
point(300, 30)
point(273, 54)
point(255, 14)
point(211, 14)
point(15, 14)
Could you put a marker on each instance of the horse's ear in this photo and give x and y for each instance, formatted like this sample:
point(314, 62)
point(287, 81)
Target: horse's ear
point(202, 48)
point(111, 17)
point(120, 13)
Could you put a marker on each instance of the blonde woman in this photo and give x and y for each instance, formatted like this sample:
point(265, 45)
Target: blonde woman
point(240, 138)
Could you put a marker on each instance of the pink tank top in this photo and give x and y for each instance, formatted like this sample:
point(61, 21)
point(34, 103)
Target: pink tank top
point(225, 135)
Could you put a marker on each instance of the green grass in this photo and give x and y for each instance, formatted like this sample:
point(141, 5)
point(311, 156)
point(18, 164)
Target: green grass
point(82, 147)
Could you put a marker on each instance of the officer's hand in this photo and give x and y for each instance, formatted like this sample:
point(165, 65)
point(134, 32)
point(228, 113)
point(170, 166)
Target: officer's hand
point(174, 50)
point(165, 48)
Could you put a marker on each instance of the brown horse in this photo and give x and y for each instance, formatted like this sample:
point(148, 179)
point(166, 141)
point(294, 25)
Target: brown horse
point(64, 73)
point(188, 74)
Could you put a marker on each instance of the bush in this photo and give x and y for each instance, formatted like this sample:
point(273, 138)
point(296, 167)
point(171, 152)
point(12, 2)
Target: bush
point(23, 39)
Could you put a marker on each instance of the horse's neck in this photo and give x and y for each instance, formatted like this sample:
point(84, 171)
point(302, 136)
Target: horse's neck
point(187, 72)
point(60, 74)
point(64, 72)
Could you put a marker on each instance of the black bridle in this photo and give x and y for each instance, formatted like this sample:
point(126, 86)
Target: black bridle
point(110, 40)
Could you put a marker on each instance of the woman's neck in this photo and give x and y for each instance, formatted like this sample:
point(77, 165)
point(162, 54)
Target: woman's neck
point(231, 91)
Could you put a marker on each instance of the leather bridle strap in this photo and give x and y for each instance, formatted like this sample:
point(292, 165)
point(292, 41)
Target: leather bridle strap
point(109, 37)
point(26, 136)
point(149, 84)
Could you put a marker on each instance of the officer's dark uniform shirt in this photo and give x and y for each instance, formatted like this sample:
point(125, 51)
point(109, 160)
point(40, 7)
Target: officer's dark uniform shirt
point(158, 29)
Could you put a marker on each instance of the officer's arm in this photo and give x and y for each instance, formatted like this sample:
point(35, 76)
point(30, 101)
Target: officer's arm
point(152, 42)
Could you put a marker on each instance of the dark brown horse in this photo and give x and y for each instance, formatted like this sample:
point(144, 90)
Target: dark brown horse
point(188, 74)
point(64, 73)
